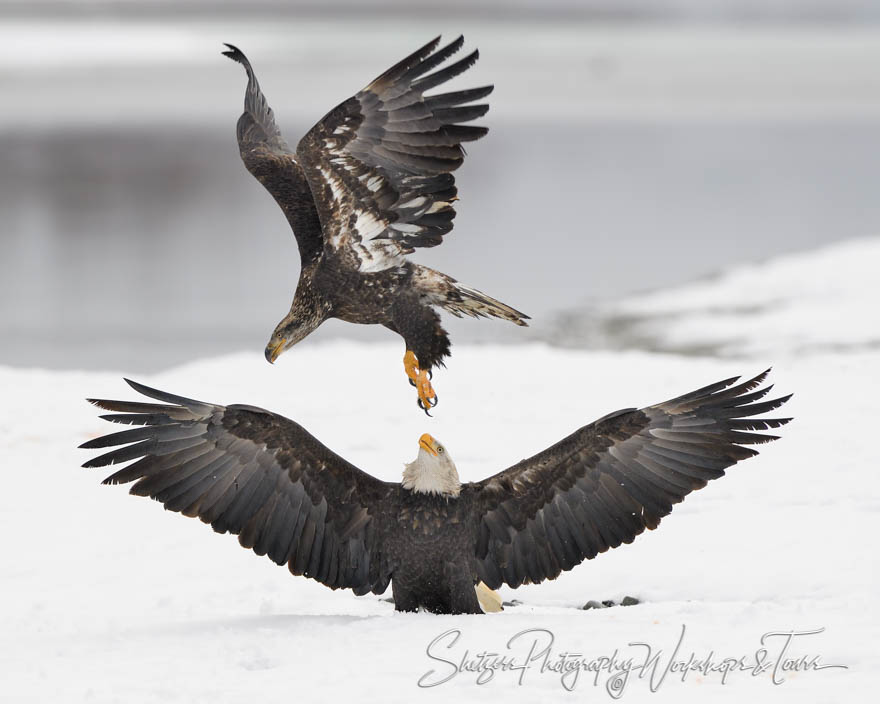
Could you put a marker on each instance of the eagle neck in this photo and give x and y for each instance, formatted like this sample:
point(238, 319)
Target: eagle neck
point(439, 480)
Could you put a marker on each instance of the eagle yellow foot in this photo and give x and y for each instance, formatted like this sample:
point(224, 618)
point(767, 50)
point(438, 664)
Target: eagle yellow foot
point(411, 366)
point(421, 379)
point(427, 396)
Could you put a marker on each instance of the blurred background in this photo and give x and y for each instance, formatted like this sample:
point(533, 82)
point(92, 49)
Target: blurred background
point(634, 145)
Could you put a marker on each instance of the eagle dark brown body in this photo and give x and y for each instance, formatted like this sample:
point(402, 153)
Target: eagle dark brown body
point(263, 477)
point(434, 553)
point(390, 298)
point(366, 186)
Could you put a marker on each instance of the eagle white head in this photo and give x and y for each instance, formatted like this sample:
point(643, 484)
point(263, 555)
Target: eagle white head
point(432, 471)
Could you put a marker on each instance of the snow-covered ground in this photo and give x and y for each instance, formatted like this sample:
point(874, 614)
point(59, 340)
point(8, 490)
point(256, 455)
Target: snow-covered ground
point(106, 597)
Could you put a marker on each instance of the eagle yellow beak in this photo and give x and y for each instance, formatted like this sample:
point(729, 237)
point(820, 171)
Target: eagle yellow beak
point(427, 443)
point(274, 348)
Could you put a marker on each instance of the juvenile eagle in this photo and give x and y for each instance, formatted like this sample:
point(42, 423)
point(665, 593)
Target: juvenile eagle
point(367, 185)
point(265, 478)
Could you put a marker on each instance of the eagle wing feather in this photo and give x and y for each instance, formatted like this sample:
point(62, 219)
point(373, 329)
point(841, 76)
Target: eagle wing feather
point(380, 164)
point(606, 483)
point(257, 475)
point(269, 159)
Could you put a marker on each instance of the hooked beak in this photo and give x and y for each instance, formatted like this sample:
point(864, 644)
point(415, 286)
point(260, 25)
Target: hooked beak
point(274, 348)
point(427, 443)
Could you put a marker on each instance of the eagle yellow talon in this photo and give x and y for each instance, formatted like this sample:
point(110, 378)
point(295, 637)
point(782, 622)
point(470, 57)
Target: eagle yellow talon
point(427, 396)
point(421, 379)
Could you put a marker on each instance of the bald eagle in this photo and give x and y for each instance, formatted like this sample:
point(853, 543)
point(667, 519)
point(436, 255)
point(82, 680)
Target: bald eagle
point(366, 186)
point(264, 478)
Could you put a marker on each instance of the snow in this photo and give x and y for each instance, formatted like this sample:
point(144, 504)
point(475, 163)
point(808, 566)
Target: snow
point(805, 303)
point(764, 309)
point(106, 597)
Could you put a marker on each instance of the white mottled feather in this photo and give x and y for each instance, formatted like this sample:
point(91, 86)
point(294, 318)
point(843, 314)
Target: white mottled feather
point(331, 180)
point(368, 226)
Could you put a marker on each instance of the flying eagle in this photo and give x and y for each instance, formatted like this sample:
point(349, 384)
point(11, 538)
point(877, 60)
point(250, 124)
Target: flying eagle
point(366, 186)
point(264, 478)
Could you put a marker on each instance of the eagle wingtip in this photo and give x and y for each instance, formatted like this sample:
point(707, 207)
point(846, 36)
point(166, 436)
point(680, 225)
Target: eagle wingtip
point(133, 384)
point(234, 53)
point(456, 43)
point(150, 392)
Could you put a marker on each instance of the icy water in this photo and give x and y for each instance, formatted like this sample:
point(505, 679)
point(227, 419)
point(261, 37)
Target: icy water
point(619, 160)
point(145, 248)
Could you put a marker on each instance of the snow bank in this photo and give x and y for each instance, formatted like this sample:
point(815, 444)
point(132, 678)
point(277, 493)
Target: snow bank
point(822, 301)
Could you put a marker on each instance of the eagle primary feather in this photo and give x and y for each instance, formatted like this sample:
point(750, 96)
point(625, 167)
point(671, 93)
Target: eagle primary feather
point(367, 185)
point(265, 478)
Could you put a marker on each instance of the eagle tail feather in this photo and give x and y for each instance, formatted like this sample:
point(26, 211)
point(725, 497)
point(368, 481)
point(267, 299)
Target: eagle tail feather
point(457, 298)
point(470, 301)
point(490, 600)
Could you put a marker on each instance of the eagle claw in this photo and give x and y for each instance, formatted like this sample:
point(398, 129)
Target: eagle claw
point(427, 406)
point(427, 396)
point(421, 379)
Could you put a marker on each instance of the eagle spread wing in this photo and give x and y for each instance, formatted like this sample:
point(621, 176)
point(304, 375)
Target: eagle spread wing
point(257, 475)
point(380, 163)
point(607, 482)
point(269, 159)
